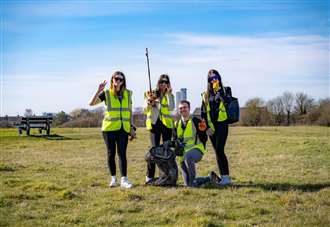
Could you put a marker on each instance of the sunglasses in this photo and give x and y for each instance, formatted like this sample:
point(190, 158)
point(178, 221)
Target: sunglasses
point(118, 79)
point(164, 82)
point(214, 77)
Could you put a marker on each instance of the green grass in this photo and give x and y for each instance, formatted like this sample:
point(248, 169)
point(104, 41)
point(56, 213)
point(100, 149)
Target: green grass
point(280, 174)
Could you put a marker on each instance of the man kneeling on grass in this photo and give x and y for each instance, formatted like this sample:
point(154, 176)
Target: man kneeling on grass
point(192, 131)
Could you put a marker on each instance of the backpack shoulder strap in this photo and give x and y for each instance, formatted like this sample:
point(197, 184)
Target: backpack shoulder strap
point(195, 122)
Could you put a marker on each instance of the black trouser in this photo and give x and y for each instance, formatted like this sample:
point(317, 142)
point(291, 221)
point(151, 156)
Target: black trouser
point(158, 130)
point(120, 139)
point(218, 140)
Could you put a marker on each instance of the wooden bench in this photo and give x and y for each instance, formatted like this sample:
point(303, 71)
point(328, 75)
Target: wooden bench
point(42, 123)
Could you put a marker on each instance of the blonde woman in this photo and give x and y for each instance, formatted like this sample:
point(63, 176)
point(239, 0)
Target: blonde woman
point(116, 125)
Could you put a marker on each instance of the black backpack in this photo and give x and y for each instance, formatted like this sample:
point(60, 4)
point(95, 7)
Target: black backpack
point(232, 106)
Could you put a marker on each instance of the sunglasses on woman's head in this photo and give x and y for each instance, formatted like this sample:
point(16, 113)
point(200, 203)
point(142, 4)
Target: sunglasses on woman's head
point(214, 77)
point(164, 82)
point(118, 79)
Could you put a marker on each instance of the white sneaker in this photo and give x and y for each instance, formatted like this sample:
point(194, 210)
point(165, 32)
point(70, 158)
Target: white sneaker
point(148, 179)
point(225, 180)
point(113, 182)
point(125, 183)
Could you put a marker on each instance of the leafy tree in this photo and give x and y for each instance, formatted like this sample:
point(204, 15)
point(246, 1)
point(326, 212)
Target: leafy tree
point(28, 113)
point(253, 113)
point(324, 107)
point(78, 113)
point(61, 118)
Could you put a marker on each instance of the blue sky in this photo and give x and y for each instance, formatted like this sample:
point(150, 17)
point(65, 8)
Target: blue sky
point(54, 53)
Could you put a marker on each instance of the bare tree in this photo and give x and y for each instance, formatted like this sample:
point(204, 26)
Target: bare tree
point(276, 108)
point(303, 103)
point(287, 99)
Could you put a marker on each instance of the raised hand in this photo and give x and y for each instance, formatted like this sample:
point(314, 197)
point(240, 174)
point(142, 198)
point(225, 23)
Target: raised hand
point(102, 86)
point(152, 98)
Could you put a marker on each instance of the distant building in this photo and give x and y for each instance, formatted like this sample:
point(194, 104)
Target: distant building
point(183, 93)
point(179, 96)
point(177, 99)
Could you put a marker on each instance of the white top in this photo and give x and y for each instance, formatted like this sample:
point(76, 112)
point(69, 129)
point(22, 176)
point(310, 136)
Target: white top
point(156, 109)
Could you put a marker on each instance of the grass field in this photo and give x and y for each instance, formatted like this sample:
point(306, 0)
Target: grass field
point(280, 175)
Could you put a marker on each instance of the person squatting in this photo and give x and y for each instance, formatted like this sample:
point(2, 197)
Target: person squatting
point(184, 139)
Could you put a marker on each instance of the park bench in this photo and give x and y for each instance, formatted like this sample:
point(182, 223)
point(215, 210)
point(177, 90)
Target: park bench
point(42, 123)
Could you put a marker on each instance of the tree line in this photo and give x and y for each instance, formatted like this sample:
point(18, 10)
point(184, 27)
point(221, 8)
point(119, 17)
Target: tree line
point(286, 109)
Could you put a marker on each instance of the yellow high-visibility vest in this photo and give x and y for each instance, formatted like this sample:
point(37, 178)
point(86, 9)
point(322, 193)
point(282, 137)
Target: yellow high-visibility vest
point(164, 114)
point(222, 116)
point(189, 136)
point(117, 114)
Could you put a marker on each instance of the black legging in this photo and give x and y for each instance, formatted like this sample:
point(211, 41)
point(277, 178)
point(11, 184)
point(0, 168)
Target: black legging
point(111, 139)
point(218, 140)
point(158, 130)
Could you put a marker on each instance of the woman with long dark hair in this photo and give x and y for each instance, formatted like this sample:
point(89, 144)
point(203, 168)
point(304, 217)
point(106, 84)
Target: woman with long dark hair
point(159, 120)
point(117, 124)
point(215, 114)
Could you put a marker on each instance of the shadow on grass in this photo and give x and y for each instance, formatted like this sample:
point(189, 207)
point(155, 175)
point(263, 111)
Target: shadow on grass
point(283, 186)
point(53, 137)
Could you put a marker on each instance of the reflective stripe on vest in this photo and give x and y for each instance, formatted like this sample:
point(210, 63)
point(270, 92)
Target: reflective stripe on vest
point(117, 113)
point(164, 115)
point(222, 116)
point(189, 137)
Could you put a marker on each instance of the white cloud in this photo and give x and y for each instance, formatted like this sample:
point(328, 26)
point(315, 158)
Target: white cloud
point(291, 62)
point(252, 66)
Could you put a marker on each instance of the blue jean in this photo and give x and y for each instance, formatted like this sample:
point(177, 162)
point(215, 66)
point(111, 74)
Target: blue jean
point(189, 170)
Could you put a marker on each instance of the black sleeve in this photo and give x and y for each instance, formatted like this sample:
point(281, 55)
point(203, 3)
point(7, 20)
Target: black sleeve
point(201, 134)
point(102, 96)
point(204, 113)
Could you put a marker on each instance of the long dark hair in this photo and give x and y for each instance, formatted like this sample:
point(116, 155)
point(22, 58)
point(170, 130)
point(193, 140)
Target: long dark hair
point(163, 76)
point(209, 84)
point(123, 86)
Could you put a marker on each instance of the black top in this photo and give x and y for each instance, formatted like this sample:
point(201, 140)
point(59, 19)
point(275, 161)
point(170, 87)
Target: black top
point(102, 96)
